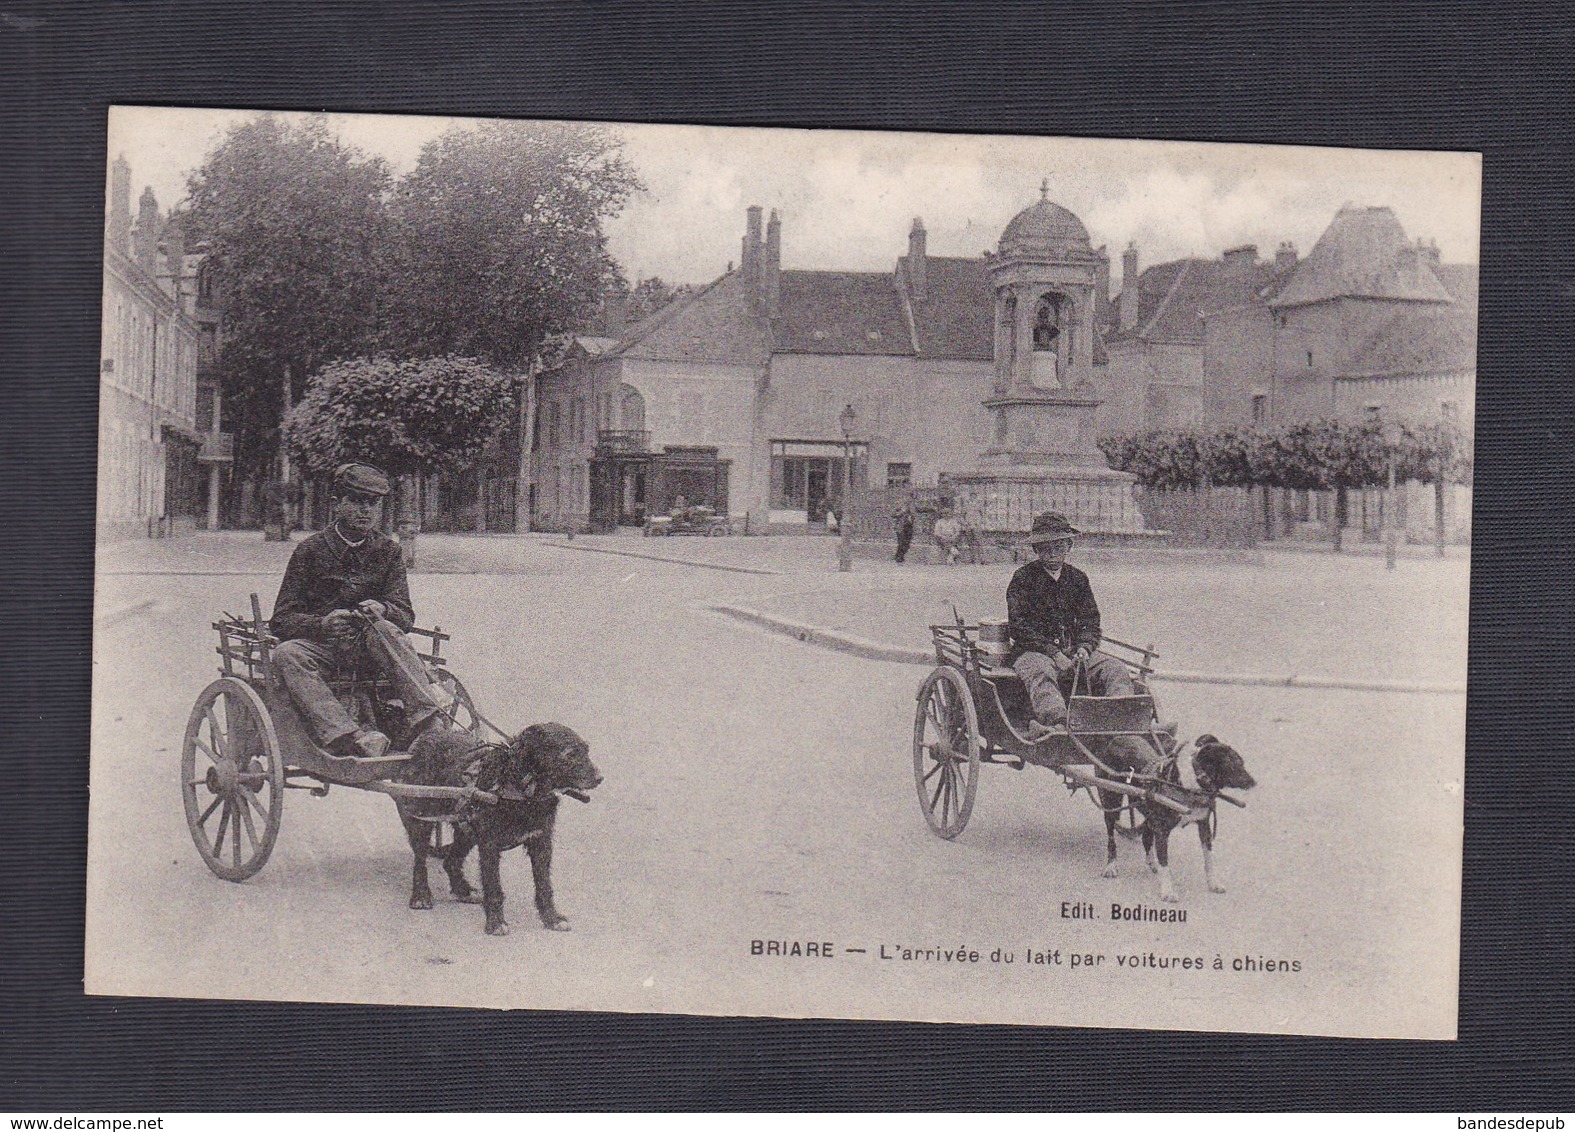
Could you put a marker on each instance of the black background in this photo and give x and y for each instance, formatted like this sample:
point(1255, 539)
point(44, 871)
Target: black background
point(1493, 78)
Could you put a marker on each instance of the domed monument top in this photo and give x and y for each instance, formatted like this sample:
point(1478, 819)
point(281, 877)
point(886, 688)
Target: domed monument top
point(1045, 229)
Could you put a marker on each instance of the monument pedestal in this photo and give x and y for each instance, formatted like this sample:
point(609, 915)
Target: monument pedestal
point(1045, 459)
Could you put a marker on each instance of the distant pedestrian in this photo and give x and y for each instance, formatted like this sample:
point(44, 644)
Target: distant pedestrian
point(948, 531)
point(902, 519)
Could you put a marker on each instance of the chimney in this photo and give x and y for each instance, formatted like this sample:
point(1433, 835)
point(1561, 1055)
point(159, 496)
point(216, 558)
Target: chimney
point(1102, 289)
point(1129, 287)
point(1240, 260)
point(1285, 256)
point(772, 271)
point(917, 268)
point(120, 206)
point(145, 237)
point(749, 264)
point(1427, 251)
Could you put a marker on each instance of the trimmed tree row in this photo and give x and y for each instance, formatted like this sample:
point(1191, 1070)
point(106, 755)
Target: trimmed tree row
point(1322, 455)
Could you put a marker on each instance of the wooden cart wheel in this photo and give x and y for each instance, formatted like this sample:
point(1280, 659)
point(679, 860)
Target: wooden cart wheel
point(946, 751)
point(456, 701)
point(232, 779)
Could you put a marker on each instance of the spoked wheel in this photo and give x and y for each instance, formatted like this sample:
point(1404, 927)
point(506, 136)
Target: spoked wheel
point(232, 779)
point(456, 702)
point(946, 751)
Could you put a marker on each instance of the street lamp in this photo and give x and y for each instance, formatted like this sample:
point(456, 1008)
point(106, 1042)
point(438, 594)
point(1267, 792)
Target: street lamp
point(846, 419)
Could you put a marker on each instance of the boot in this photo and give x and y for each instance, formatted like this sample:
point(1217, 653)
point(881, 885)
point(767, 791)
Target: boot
point(1037, 730)
point(369, 745)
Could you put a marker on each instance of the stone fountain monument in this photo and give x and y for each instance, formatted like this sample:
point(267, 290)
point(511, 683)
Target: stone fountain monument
point(1043, 456)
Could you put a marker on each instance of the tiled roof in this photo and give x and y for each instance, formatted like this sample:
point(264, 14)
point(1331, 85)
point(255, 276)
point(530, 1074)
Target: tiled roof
point(1419, 340)
point(715, 324)
point(1172, 296)
point(840, 312)
point(1364, 253)
point(1459, 279)
point(955, 318)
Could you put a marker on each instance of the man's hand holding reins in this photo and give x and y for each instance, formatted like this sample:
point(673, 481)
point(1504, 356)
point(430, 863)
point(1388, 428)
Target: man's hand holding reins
point(342, 625)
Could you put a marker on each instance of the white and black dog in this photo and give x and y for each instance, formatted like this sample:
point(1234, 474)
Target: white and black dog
point(1212, 766)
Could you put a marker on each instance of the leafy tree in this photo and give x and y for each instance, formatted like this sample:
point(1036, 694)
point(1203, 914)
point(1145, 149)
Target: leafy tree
point(294, 223)
point(1320, 455)
point(499, 239)
point(651, 295)
point(1437, 451)
point(405, 416)
point(1235, 458)
point(1162, 460)
point(1331, 454)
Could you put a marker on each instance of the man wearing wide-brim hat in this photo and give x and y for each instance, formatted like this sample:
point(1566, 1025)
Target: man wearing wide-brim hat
point(345, 603)
point(1055, 624)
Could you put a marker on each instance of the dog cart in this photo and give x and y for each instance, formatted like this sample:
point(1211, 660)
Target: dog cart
point(972, 709)
point(245, 745)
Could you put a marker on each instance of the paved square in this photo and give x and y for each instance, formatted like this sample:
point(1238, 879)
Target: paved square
point(758, 788)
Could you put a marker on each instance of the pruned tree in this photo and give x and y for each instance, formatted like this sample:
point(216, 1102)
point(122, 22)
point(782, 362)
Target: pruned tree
point(1162, 460)
point(406, 416)
point(499, 239)
point(1322, 455)
point(1438, 452)
point(293, 223)
point(1332, 454)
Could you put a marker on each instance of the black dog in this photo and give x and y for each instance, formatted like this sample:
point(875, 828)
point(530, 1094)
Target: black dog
point(1216, 766)
point(524, 776)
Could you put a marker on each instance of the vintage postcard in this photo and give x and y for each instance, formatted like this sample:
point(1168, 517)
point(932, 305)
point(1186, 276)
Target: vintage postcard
point(782, 572)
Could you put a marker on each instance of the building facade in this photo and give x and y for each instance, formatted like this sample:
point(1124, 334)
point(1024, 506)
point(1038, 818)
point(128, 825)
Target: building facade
point(1156, 341)
point(1369, 321)
point(157, 346)
point(742, 389)
point(767, 391)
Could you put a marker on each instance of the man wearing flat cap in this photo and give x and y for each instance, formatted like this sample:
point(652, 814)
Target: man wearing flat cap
point(1054, 624)
point(344, 603)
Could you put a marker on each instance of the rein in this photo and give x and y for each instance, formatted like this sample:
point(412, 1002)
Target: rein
point(1164, 771)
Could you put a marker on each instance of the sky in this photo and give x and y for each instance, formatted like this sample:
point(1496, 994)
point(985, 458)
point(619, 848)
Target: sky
point(847, 199)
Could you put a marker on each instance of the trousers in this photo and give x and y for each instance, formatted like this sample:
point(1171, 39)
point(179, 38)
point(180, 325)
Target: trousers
point(1048, 688)
point(1107, 676)
point(305, 667)
point(904, 538)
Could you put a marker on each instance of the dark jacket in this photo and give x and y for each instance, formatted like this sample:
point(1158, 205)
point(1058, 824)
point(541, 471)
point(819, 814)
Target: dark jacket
point(1048, 616)
point(326, 573)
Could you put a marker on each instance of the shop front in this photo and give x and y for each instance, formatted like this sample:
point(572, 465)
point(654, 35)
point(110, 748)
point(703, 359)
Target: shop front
point(807, 478)
point(628, 486)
